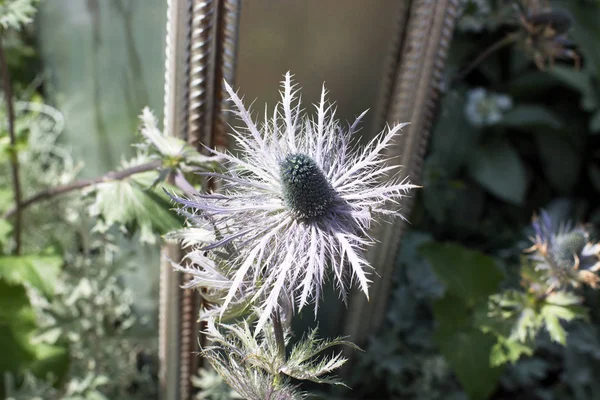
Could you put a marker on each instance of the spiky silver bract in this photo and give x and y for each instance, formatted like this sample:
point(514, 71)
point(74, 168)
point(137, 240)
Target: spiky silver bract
point(249, 362)
point(298, 197)
point(565, 254)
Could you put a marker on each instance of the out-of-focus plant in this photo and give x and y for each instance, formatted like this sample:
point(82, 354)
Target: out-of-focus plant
point(403, 362)
point(74, 323)
point(211, 386)
point(515, 134)
point(500, 327)
point(65, 316)
point(16, 13)
point(68, 328)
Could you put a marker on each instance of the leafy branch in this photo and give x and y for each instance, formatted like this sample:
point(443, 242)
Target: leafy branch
point(112, 176)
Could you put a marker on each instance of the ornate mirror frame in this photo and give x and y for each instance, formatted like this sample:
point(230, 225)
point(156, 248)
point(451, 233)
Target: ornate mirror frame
point(201, 51)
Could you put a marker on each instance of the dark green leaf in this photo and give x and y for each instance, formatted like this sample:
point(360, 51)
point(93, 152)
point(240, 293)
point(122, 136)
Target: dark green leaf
point(454, 136)
point(452, 314)
point(580, 81)
point(528, 116)
point(17, 322)
point(468, 353)
point(498, 168)
point(467, 274)
point(595, 123)
point(50, 359)
point(586, 31)
point(594, 172)
point(562, 161)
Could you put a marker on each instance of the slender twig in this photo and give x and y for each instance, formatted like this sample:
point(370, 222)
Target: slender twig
point(508, 39)
point(14, 156)
point(278, 328)
point(47, 194)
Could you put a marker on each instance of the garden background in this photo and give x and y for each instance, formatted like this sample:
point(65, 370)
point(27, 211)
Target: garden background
point(78, 306)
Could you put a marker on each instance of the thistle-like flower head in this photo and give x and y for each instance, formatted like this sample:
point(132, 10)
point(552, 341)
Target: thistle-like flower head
point(298, 198)
point(565, 253)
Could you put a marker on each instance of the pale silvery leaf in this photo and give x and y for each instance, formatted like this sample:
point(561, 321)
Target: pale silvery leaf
point(166, 145)
point(175, 151)
point(237, 352)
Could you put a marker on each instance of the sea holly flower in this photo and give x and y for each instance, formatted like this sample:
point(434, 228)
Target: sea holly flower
point(565, 254)
point(298, 197)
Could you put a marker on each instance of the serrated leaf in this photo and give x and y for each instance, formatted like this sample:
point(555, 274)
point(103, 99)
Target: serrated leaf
point(498, 168)
point(556, 331)
point(526, 326)
point(506, 350)
point(15, 13)
point(130, 204)
point(39, 271)
point(560, 306)
point(563, 299)
point(467, 274)
point(528, 116)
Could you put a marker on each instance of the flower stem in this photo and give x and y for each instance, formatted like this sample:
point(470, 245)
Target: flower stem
point(278, 328)
point(508, 39)
point(14, 156)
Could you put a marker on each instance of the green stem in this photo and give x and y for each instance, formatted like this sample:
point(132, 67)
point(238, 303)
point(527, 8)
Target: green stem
point(14, 156)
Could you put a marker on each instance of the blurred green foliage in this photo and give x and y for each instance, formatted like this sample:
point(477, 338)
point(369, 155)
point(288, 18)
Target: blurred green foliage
point(509, 140)
point(68, 328)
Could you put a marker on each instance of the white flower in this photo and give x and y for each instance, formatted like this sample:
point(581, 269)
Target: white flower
point(486, 108)
point(298, 198)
